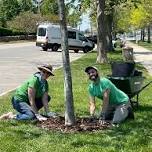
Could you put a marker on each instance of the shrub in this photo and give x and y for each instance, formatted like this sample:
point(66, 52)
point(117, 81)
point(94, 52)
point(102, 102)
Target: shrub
point(5, 32)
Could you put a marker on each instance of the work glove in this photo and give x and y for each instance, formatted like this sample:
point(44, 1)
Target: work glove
point(51, 114)
point(102, 118)
point(91, 118)
point(40, 117)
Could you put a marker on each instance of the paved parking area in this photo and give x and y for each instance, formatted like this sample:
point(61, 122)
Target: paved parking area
point(19, 61)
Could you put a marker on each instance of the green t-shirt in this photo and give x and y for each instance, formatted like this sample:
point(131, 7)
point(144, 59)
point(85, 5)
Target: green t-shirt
point(116, 96)
point(22, 92)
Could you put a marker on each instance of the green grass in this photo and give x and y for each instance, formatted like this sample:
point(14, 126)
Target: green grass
point(131, 136)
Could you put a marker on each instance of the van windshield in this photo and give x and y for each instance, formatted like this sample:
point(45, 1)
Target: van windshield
point(41, 31)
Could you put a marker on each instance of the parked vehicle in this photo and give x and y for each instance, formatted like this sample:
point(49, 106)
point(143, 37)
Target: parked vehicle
point(92, 38)
point(119, 42)
point(49, 37)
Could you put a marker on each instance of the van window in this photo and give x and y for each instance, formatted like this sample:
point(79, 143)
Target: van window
point(71, 35)
point(82, 37)
point(41, 31)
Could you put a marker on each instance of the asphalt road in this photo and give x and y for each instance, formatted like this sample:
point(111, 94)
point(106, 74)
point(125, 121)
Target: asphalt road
point(20, 60)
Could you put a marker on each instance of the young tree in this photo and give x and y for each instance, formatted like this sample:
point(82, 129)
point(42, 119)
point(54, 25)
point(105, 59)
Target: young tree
point(69, 106)
point(102, 33)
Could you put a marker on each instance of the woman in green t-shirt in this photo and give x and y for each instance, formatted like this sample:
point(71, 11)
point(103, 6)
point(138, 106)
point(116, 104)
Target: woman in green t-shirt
point(31, 96)
point(116, 105)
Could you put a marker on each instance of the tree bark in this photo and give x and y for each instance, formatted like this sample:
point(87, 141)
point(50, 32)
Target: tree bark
point(69, 105)
point(102, 33)
point(109, 30)
point(143, 35)
point(148, 30)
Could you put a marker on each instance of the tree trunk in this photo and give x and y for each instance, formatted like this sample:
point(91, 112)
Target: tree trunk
point(148, 30)
point(109, 29)
point(102, 33)
point(69, 106)
point(143, 35)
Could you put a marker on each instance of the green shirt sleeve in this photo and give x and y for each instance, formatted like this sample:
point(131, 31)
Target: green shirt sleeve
point(32, 82)
point(106, 84)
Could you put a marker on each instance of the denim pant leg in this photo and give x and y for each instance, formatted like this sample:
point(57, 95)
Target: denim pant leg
point(25, 111)
point(121, 113)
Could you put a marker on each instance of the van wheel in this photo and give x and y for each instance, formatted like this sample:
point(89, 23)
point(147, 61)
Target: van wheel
point(55, 47)
point(86, 49)
point(76, 51)
point(44, 48)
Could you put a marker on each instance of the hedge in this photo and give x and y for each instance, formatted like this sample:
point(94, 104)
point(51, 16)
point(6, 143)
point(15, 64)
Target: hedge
point(9, 32)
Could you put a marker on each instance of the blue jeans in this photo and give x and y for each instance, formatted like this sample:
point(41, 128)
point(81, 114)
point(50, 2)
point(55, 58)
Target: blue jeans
point(25, 110)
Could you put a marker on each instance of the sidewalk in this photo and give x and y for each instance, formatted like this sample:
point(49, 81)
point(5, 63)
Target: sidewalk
point(142, 55)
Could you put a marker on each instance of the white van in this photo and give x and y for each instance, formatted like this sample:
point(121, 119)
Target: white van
point(49, 37)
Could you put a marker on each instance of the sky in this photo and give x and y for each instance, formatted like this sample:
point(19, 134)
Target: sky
point(85, 19)
point(85, 23)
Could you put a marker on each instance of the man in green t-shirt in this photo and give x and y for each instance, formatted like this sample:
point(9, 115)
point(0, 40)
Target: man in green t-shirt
point(31, 96)
point(116, 105)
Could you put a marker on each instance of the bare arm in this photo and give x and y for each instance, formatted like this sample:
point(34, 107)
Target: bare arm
point(45, 102)
point(92, 105)
point(31, 96)
point(105, 100)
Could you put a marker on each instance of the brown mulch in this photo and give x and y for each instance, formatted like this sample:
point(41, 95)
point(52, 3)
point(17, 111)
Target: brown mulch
point(82, 125)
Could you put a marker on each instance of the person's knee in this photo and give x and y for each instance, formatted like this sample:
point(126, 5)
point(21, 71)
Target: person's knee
point(30, 115)
point(25, 116)
point(120, 116)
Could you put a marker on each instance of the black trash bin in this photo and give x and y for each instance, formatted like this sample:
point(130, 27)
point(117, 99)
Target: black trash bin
point(122, 69)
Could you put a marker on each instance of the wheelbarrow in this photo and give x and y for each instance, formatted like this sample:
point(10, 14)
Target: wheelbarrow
point(132, 86)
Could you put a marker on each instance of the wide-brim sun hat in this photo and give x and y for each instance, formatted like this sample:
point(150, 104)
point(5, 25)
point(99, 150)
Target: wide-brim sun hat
point(90, 67)
point(48, 68)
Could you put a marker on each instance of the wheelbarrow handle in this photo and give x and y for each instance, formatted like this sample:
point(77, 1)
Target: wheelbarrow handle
point(145, 86)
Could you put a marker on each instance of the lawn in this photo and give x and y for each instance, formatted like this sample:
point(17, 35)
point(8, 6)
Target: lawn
point(131, 136)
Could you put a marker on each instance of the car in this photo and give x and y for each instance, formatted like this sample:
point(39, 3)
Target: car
point(118, 43)
point(92, 38)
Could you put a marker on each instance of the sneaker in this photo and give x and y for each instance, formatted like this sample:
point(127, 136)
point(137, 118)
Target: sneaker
point(8, 115)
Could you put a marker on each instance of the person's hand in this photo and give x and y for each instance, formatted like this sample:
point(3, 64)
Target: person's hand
point(102, 121)
point(91, 118)
point(102, 118)
point(40, 117)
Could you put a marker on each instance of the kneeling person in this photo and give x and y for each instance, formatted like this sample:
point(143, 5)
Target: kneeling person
point(33, 95)
point(116, 105)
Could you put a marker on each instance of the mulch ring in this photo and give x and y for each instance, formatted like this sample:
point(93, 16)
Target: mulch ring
point(82, 125)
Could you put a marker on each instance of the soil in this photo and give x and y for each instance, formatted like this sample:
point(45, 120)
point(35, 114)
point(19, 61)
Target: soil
point(81, 125)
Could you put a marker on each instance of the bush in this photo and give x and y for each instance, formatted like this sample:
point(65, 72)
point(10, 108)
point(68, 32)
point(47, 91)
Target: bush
point(9, 32)
point(5, 32)
point(14, 33)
